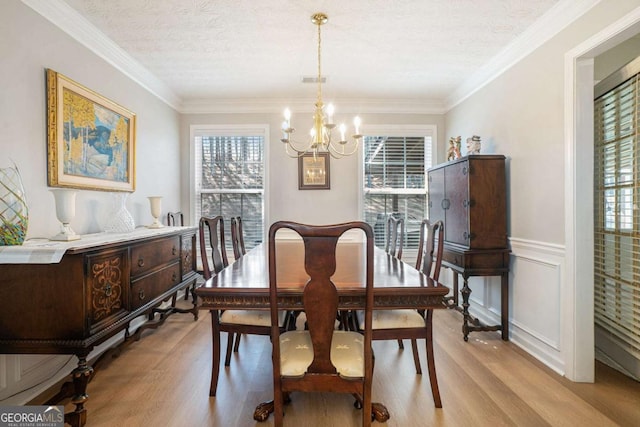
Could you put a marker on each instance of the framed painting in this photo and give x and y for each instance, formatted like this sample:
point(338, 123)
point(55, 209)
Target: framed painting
point(91, 140)
point(313, 172)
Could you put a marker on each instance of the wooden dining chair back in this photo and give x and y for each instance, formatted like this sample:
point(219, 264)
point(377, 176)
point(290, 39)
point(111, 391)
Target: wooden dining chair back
point(233, 322)
point(237, 237)
point(211, 232)
point(413, 324)
point(175, 219)
point(429, 259)
point(395, 236)
point(321, 358)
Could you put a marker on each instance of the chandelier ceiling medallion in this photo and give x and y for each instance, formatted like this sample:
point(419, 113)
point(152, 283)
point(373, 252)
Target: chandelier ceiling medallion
point(321, 135)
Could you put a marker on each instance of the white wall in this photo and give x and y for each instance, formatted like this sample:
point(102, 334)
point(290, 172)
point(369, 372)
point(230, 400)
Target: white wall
point(285, 201)
point(522, 115)
point(29, 44)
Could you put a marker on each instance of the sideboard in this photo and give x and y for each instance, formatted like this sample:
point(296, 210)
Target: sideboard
point(68, 297)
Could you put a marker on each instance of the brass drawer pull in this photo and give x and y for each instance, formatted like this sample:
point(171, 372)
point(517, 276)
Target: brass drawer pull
point(174, 277)
point(174, 251)
point(141, 294)
point(140, 262)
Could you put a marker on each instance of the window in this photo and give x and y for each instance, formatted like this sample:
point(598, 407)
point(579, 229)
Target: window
point(617, 223)
point(395, 162)
point(229, 178)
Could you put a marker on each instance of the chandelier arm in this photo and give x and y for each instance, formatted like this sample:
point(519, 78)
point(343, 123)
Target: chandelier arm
point(342, 153)
point(294, 146)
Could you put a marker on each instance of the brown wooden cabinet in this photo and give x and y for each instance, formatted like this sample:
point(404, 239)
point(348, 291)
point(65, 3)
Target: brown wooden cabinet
point(469, 196)
point(93, 293)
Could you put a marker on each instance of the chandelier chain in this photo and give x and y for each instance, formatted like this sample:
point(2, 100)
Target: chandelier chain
point(319, 62)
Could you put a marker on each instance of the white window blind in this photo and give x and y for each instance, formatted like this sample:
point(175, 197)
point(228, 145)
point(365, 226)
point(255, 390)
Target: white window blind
point(617, 219)
point(394, 182)
point(229, 180)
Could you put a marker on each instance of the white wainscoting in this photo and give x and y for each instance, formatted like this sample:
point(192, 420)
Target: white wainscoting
point(535, 307)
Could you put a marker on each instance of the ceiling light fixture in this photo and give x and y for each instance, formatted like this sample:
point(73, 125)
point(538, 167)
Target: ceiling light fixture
point(321, 138)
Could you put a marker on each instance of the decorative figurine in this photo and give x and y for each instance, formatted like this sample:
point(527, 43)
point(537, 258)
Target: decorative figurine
point(454, 148)
point(473, 145)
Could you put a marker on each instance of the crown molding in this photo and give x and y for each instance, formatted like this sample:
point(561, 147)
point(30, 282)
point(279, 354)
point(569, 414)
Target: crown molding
point(68, 20)
point(547, 26)
point(299, 105)
point(71, 22)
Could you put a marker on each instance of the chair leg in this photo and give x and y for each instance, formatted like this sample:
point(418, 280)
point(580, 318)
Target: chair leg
point(400, 345)
point(215, 352)
point(416, 356)
point(227, 359)
point(237, 343)
point(278, 408)
point(431, 364)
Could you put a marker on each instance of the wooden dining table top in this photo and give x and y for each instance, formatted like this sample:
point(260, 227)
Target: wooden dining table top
point(245, 283)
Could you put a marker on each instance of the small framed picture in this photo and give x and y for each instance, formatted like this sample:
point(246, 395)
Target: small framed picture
point(313, 172)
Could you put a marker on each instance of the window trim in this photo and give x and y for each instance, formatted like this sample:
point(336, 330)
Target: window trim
point(408, 130)
point(228, 130)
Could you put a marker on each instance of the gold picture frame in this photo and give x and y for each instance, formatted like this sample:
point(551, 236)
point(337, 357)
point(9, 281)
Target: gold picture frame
point(314, 172)
point(91, 140)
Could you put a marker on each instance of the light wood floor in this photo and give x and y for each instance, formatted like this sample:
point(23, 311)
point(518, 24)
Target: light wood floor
point(163, 380)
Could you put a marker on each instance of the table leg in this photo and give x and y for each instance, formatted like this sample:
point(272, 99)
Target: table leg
point(504, 305)
point(466, 292)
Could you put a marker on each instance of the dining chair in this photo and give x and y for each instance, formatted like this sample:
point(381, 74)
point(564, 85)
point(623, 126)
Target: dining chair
point(175, 219)
point(321, 358)
point(415, 324)
point(233, 322)
point(237, 237)
point(395, 236)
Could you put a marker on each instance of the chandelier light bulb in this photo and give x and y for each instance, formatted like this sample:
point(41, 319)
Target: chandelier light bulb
point(330, 111)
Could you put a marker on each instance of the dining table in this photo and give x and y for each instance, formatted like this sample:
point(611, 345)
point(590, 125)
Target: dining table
point(244, 285)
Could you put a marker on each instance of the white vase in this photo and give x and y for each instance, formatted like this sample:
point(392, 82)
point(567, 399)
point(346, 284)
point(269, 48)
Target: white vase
point(65, 212)
point(120, 220)
point(155, 203)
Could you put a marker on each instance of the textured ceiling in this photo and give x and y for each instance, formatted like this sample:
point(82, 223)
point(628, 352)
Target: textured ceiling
point(408, 49)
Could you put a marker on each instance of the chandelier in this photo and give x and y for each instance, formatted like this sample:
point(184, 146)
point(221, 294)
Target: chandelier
point(321, 139)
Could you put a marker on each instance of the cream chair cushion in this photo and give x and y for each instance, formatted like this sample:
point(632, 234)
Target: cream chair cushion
point(250, 317)
point(347, 353)
point(393, 319)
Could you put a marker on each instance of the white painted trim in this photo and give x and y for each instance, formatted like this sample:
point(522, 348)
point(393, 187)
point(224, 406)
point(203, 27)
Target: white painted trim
point(537, 246)
point(578, 117)
point(230, 129)
point(307, 105)
point(551, 23)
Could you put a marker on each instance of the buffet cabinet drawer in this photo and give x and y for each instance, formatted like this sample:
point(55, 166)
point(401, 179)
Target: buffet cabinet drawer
point(149, 256)
point(146, 289)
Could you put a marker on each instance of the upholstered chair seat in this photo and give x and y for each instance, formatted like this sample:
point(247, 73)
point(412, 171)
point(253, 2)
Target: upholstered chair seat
point(392, 319)
point(347, 353)
point(251, 317)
